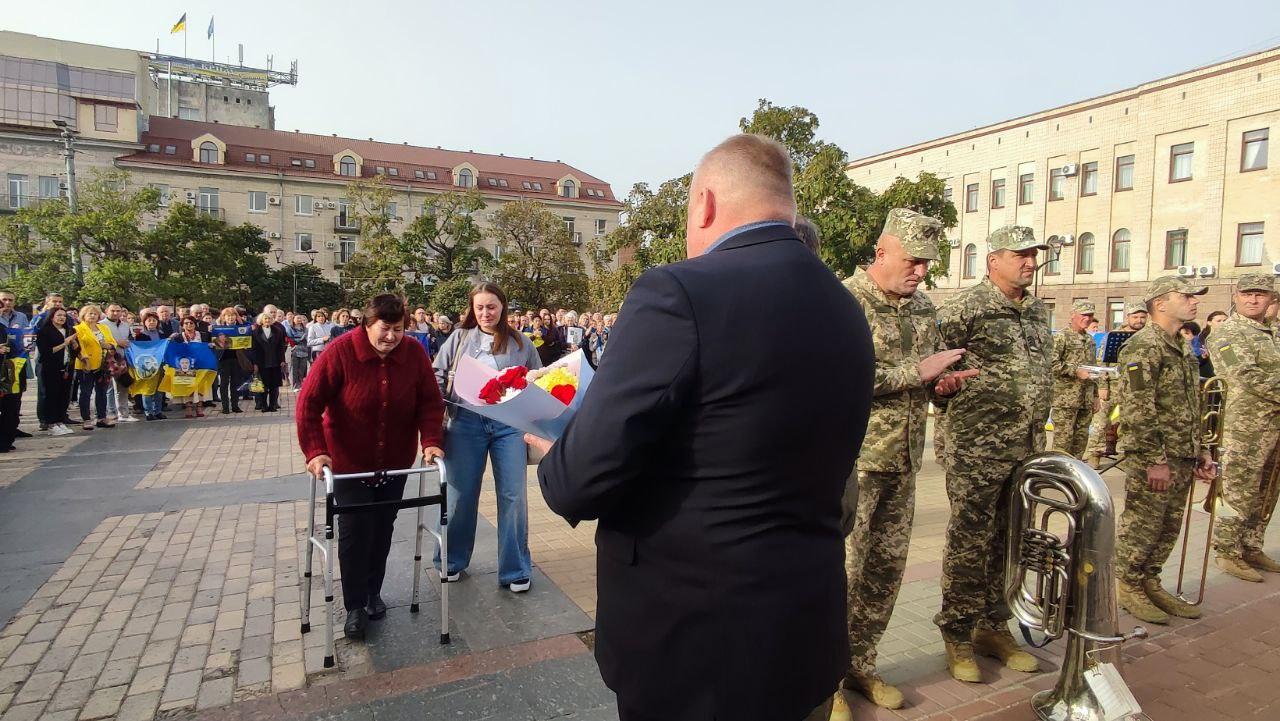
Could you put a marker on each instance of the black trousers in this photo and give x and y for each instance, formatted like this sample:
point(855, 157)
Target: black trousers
point(272, 378)
point(10, 405)
point(52, 407)
point(364, 539)
point(228, 382)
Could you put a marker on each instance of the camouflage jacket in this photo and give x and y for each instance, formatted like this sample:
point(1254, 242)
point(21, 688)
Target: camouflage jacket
point(1070, 351)
point(903, 332)
point(1159, 398)
point(1001, 413)
point(1246, 354)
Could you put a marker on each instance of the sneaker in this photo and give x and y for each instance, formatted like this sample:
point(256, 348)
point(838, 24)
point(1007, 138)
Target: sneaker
point(44, 426)
point(450, 577)
point(127, 419)
point(519, 586)
point(59, 430)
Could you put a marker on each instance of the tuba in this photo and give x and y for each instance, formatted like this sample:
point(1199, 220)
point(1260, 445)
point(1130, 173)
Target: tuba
point(1058, 580)
point(1213, 398)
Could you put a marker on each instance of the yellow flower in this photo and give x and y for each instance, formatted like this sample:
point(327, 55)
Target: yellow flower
point(558, 376)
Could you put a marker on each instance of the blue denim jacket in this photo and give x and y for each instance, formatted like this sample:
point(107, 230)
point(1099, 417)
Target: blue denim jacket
point(522, 355)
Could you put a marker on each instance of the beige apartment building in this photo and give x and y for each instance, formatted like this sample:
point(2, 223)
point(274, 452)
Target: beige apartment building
point(1168, 177)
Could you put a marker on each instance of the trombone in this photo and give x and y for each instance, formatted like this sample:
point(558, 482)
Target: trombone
point(1213, 395)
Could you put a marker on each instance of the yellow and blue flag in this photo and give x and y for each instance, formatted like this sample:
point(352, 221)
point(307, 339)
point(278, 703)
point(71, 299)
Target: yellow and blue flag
point(180, 25)
point(188, 368)
point(239, 337)
point(210, 33)
point(17, 356)
point(146, 365)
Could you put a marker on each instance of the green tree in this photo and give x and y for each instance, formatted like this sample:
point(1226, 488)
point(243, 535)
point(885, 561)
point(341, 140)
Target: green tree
point(444, 242)
point(380, 264)
point(33, 268)
point(539, 266)
point(131, 283)
point(313, 290)
point(451, 296)
point(925, 195)
point(197, 257)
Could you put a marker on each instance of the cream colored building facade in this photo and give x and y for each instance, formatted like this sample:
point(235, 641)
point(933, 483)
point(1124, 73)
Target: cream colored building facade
point(1172, 176)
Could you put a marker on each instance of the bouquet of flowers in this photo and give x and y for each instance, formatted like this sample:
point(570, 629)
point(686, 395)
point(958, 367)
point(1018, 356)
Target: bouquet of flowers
point(540, 401)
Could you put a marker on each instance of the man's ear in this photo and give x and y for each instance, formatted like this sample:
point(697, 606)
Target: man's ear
point(705, 208)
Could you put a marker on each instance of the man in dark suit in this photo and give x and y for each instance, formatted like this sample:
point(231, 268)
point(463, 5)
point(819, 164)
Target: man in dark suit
point(715, 463)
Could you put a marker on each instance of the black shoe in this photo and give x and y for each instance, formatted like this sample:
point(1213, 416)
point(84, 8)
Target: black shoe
point(161, 417)
point(237, 409)
point(151, 417)
point(208, 404)
point(44, 426)
point(21, 434)
point(357, 623)
point(376, 609)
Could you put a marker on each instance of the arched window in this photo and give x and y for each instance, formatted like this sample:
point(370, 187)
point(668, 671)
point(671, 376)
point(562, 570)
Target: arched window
point(1084, 253)
point(970, 267)
point(464, 178)
point(1120, 250)
point(347, 166)
point(208, 153)
point(568, 189)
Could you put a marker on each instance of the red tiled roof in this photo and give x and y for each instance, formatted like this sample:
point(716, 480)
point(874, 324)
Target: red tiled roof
point(283, 147)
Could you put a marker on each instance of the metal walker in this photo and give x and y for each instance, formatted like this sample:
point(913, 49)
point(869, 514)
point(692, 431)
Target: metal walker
point(325, 545)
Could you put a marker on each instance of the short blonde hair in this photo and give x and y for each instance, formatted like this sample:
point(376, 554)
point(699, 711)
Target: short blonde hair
point(265, 318)
point(84, 310)
point(752, 166)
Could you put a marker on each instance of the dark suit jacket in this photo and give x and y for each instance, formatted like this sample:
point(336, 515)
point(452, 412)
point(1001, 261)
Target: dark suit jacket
point(269, 352)
point(715, 461)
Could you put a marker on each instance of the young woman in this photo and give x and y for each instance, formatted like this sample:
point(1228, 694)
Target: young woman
point(94, 340)
point(470, 438)
point(342, 323)
point(190, 333)
point(57, 344)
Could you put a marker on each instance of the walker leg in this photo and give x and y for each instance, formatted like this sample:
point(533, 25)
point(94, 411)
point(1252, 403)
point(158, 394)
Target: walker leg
point(444, 564)
point(306, 568)
point(328, 594)
point(417, 547)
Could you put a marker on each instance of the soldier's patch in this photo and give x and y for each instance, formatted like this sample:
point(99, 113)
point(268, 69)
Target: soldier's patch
point(1137, 381)
point(1228, 352)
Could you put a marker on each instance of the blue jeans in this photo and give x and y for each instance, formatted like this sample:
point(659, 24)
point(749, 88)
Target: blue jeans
point(468, 440)
point(152, 403)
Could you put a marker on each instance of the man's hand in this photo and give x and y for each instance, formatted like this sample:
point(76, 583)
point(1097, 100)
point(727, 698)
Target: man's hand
point(1083, 374)
point(542, 445)
point(1158, 477)
point(951, 383)
point(430, 453)
point(315, 464)
point(1206, 469)
point(1103, 393)
point(932, 366)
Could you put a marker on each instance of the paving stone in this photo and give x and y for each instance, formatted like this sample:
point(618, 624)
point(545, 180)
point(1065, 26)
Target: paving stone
point(197, 635)
point(159, 652)
point(215, 693)
point(100, 641)
point(148, 679)
point(140, 707)
point(72, 694)
point(27, 654)
point(39, 687)
point(182, 687)
point(87, 666)
point(190, 658)
point(288, 676)
point(117, 673)
point(103, 703)
point(24, 712)
point(254, 671)
point(255, 647)
point(57, 659)
point(128, 647)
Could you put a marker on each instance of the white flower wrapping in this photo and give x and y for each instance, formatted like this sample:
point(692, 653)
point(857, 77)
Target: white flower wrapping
point(532, 410)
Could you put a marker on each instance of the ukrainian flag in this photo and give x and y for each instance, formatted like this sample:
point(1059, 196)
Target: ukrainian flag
point(188, 368)
point(17, 356)
point(146, 365)
point(180, 25)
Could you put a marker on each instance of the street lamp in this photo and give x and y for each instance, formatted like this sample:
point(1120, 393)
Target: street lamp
point(69, 156)
point(1056, 244)
point(311, 260)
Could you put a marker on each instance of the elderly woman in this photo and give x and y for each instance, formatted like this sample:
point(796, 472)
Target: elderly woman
point(95, 341)
point(472, 439)
point(367, 404)
point(268, 353)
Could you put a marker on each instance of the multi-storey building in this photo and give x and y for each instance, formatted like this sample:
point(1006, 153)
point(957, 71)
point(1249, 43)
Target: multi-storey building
point(1168, 177)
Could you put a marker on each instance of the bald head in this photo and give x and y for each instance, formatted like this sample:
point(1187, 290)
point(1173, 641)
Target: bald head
point(745, 179)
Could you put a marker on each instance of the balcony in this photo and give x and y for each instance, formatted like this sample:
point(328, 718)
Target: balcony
point(345, 224)
point(13, 203)
point(218, 213)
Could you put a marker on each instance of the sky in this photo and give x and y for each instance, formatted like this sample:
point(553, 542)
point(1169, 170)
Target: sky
point(637, 91)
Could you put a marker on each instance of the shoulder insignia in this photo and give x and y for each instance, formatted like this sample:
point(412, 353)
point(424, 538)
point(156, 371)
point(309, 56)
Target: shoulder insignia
point(1229, 357)
point(1136, 380)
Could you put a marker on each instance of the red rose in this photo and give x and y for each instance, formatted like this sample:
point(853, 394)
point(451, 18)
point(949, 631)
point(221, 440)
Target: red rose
point(491, 393)
point(564, 393)
point(519, 383)
point(511, 375)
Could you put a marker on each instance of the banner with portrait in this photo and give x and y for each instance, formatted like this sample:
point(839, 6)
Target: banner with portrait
point(239, 337)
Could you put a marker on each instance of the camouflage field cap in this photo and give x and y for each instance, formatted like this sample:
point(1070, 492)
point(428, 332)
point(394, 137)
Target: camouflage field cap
point(1135, 306)
point(1084, 307)
point(1015, 238)
point(1172, 284)
point(918, 232)
point(1256, 281)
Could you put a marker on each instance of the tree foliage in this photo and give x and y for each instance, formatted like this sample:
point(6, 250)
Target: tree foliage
point(313, 289)
point(539, 265)
point(451, 296)
point(444, 242)
point(378, 265)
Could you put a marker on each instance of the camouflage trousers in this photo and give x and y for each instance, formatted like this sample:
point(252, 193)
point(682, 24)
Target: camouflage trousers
point(1071, 430)
point(973, 559)
point(1248, 460)
point(1151, 521)
point(875, 556)
point(1098, 428)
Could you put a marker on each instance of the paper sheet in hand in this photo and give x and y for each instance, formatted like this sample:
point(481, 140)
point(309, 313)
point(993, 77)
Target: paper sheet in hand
point(533, 410)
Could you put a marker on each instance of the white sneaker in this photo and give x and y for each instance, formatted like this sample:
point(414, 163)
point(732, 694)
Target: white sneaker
point(126, 419)
point(520, 586)
point(450, 577)
point(59, 429)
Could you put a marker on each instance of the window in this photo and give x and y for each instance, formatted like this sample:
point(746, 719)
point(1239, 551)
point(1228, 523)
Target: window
point(1053, 266)
point(1175, 249)
point(264, 158)
point(1253, 152)
point(431, 175)
point(48, 187)
point(1124, 173)
point(295, 162)
point(969, 269)
point(347, 166)
point(946, 194)
point(153, 148)
point(971, 198)
point(590, 193)
point(1249, 244)
point(1026, 188)
point(569, 223)
point(394, 172)
point(997, 193)
point(208, 152)
point(1057, 184)
point(345, 219)
point(464, 178)
point(1180, 157)
point(526, 185)
point(1120, 251)
point(601, 223)
point(1115, 313)
point(1084, 253)
point(380, 170)
point(164, 193)
point(419, 175)
point(208, 201)
point(250, 158)
point(569, 189)
point(170, 150)
point(188, 113)
point(502, 182)
point(493, 182)
point(310, 163)
point(392, 208)
point(302, 205)
point(257, 201)
point(18, 193)
point(106, 117)
point(346, 249)
point(1089, 179)
point(302, 242)
point(537, 186)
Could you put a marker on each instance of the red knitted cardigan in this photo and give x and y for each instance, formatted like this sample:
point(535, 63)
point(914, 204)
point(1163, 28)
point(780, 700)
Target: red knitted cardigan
point(366, 412)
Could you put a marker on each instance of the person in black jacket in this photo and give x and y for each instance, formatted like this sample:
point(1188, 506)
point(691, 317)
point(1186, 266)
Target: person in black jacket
point(269, 345)
point(56, 344)
point(716, 464)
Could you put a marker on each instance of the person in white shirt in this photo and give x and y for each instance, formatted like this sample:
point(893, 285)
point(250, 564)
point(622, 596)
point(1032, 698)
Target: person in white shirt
point(118, 391)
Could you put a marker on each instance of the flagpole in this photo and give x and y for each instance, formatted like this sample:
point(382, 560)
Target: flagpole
point(184, 39)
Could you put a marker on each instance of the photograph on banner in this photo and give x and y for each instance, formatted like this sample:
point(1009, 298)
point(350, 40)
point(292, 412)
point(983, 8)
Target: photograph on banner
point(238, 337)
point(146, 365)
point(540, 401)
point(189, 368)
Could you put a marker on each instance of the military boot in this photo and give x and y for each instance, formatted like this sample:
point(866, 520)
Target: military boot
point(960, 662)
point(1168, 602)
point(840, 708)
point(1238, 568)
point(1261, 561)
point(875, 689)
point(1095, 460)
point(999, 643)
point(1134, 600)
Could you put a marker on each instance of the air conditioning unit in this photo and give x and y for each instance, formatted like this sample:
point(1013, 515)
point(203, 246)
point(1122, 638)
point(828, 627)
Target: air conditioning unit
point(398, 219)
point(273, 200)
point(490, 216)
point(1070, 169)
point(331, 205)
point(955, 242)
point(274, 235)
point(1207, 271)
point(191, 201)
point(330, 245)
point(1275, 268)
point(1067, 240)
point(191, 194)
point(318, 205)
point(1187, 271)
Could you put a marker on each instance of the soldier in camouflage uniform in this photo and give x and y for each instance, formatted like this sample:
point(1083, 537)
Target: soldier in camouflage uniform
point(909, 359)
point(1075, 391)
point(993, 424)
point(1160, 440)
point(1246, 354)
point(1135, 319)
